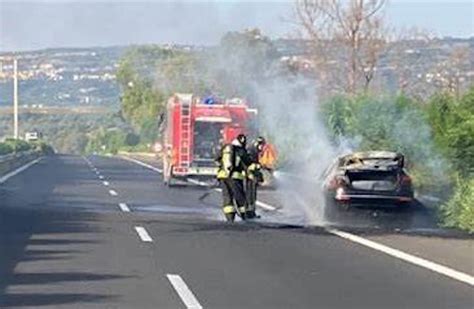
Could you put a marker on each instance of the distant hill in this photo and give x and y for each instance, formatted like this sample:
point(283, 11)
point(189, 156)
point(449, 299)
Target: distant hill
point(86, 76)
point(63, 77)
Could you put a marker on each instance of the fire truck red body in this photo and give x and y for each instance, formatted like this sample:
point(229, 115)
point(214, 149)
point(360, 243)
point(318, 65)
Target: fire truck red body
point(195, 131)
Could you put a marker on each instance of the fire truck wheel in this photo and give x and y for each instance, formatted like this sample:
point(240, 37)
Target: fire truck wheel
point(170, 182)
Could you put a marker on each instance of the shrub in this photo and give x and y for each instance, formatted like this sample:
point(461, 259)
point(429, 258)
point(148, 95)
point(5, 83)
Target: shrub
point(458, 212)
point(18, 145)
point(5, 149)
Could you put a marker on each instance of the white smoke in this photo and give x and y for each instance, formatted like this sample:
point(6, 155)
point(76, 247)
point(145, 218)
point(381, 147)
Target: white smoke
point(289, 115)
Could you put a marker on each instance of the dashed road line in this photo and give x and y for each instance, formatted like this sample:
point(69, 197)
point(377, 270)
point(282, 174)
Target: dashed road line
point(101, 177)
point(106, 183)
point(449, 272)
point(266, 206)
point(124, 207)
point(197, 182)
point(143, 234)
point(113, 192)
point(435, 267)
point(186, 295)
point(18, 170)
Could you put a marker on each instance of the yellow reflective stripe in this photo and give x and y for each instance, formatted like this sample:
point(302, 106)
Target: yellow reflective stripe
point(237, 175)
point(227, 157)
point(222, 174)
point(228, 209)
point(242, 209)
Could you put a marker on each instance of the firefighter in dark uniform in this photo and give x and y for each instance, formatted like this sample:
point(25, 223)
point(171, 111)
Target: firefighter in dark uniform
point(233, 161)
point(254, 176)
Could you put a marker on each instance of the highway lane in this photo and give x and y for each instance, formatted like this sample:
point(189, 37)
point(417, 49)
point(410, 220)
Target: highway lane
point(64, 243)
point(67, 242)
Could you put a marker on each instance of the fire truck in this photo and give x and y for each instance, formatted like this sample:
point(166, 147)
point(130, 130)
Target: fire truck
point(194, 131)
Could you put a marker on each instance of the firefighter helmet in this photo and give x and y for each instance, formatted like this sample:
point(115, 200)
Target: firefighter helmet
point(242, 139)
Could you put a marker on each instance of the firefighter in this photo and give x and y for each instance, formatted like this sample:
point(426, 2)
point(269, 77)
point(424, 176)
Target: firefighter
point(233, 161)
point(254, 176)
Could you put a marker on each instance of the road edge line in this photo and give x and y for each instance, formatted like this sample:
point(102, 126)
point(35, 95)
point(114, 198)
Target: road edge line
point(200, 183)
point(17, 171)
point(435, 267)
point(184, 292)
point(401, 255)
point(141, 164)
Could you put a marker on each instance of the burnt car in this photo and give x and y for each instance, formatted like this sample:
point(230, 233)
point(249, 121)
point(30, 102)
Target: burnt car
point(368, 178)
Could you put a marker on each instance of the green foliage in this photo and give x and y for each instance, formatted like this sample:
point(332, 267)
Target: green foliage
point(131, 139)
point(12, 145)
point(148, 75)
point(110, 141)
point(458, 212)
point(241, 63)
point(386, 123)
point(5, 149)
point(437, 138)
point(453, 126)
point(141, 102)
point(18, 145)
point(337, 114)
point(68, 133)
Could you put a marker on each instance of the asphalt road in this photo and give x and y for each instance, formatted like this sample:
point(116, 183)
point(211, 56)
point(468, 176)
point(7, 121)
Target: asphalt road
point(103, 232)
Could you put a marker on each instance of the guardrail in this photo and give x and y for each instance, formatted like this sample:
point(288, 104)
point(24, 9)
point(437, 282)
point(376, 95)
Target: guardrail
point(7, 157)
point(11, 161)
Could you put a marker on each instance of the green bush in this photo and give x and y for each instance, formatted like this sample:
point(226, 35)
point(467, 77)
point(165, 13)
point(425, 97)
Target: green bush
point(389, 123)
point(458, 212)
point(106, 141)
point(452, 123)
point(5, 149)
point(18, 145)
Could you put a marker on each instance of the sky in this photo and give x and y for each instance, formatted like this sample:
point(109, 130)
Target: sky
point(37, 24)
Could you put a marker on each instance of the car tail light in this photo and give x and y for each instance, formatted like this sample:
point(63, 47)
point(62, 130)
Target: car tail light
point(341, 195)
point(335, 183)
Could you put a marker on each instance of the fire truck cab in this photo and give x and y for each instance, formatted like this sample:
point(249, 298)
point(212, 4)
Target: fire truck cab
point(196, 129)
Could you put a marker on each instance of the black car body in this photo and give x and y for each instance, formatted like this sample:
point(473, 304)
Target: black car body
point(368, 177)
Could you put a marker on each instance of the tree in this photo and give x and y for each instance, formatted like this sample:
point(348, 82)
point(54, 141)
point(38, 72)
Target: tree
point(241, 62)
point(447, 75)
point(353, 30)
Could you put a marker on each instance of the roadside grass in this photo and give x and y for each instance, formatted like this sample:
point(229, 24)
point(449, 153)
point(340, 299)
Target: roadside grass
point(458, 211)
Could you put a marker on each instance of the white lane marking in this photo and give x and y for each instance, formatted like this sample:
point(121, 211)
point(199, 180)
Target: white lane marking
point(143, 234)
point(87, 160)
point(106, 183)
point(184, 292)
point(199, 183)
point(449, 272)
point(266, 206)
point(124, 207)
point(113, 193)
point(143, 164)
point(101, 177)
point(454, 274)
point(18, 170)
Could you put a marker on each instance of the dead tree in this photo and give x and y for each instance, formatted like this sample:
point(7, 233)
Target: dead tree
point(351, 30)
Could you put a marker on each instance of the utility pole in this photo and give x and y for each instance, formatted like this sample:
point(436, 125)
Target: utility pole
point(15, 98)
